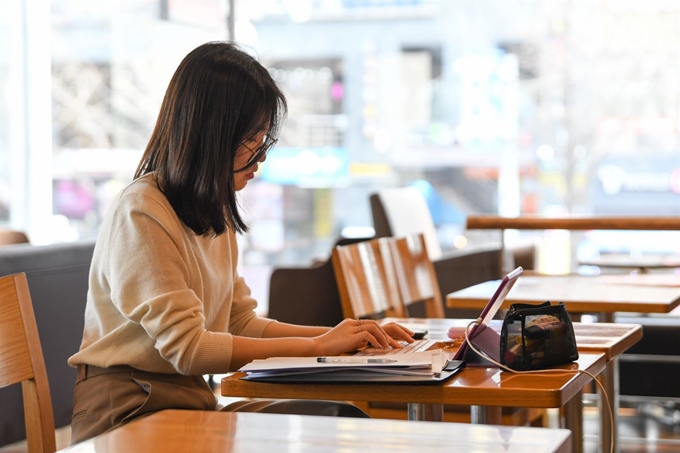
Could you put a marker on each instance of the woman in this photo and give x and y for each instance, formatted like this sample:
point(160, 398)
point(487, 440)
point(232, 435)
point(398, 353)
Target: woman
point(165, 303)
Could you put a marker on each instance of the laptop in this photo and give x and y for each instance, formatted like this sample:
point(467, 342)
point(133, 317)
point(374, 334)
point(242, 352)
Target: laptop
point(406, 348)
point(481, 335)
point(485, 338)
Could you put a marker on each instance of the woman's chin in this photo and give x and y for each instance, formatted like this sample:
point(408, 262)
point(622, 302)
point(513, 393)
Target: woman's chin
point(242, 182)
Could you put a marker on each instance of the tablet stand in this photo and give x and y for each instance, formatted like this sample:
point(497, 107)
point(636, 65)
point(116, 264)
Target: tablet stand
point(486, 340)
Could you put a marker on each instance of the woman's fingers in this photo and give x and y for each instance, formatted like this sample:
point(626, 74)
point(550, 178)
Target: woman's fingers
point(369, 331)
point(378, 335)
point(369, 338)
point(399, 332)
point(392, 332)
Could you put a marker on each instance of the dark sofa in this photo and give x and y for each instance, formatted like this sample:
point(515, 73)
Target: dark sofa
point(58, 279)
point(650, 368)
point(307, 295)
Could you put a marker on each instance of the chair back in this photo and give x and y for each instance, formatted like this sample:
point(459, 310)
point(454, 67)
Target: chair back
point(366, 280)
point(416, 274)
point(21, 361)
point(384, 276)
point(402, 211)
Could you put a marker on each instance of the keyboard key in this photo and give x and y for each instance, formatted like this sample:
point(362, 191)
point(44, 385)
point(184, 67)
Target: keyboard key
point(407, 348)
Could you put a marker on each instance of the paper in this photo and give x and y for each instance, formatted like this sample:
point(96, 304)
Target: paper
point(428, 360)
point(421, 367)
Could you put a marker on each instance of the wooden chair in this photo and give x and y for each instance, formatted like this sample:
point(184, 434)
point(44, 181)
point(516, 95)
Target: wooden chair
point(366, 280)
point(389, 277)
point(386, 277)
point(21, 361)
point(10, 237)
point(416, 275)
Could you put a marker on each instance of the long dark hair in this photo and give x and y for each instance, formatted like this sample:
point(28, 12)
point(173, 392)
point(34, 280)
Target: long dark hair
point(219, 97)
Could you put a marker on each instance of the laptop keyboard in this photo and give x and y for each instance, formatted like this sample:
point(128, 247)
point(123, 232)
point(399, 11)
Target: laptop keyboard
point(406, 348)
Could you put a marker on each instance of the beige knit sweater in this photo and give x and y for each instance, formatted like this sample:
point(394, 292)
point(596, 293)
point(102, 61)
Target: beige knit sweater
point(161, 298)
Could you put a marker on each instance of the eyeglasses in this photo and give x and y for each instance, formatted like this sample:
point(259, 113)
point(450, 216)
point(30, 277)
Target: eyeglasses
point(253, 152)
point(256, 154)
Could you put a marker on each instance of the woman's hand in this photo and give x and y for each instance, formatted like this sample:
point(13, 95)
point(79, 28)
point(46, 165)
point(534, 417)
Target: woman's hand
point(352, 334)
point(398, 331)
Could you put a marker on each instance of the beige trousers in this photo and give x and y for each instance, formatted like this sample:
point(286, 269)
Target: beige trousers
point(105, 398)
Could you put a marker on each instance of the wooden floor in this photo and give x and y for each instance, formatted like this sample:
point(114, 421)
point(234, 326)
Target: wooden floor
point(643, 428)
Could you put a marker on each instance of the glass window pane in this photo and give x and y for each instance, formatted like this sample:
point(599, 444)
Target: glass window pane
point(524, 107)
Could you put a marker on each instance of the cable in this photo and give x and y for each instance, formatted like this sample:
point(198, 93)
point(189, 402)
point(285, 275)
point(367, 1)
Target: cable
point(478, 321)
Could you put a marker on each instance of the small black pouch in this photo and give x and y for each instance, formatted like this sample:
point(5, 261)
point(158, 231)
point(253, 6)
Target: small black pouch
point(534, 337)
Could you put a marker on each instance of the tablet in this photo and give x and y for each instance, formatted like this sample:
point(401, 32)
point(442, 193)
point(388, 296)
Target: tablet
point(486, 338)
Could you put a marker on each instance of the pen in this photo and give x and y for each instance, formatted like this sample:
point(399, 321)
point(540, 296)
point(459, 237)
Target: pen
point(353, 360)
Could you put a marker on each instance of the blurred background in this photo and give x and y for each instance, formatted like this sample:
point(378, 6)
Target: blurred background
point(507, 107)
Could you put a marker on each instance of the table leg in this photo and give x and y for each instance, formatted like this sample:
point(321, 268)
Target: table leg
point(426, 412)
point(572, 419)
point(606, 317)
point(486, 415)
point(609, 379)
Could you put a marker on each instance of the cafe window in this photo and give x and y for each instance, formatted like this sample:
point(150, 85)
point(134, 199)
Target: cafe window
point(510, 107)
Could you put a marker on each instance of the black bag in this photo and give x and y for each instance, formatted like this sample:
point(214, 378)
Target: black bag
point(534, 337)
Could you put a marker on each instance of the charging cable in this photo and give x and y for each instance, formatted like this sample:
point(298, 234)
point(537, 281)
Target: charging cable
point(478, 321)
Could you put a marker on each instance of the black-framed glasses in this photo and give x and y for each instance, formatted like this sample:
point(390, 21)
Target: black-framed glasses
point(256, 154)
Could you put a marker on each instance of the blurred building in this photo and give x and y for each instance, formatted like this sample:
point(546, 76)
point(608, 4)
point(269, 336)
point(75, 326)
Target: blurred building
point(489, 106)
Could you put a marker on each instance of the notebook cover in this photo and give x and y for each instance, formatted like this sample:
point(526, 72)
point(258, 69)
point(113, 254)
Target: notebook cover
point(353, 376)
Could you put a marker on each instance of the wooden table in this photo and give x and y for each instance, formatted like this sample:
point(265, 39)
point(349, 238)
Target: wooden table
point(667, 280)
point(572, 223)
point(480, 387)
point(200, 431)
point(580, 294)
point(536, 222)
point(602, 294)
point(610, 339)
point(642, 263)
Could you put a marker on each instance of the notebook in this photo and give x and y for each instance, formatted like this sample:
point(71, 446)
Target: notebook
point(482, 336)
point(422, 367)
point(412, 364)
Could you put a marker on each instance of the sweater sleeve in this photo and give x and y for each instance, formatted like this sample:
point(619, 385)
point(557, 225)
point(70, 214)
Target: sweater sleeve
point(244, 321)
